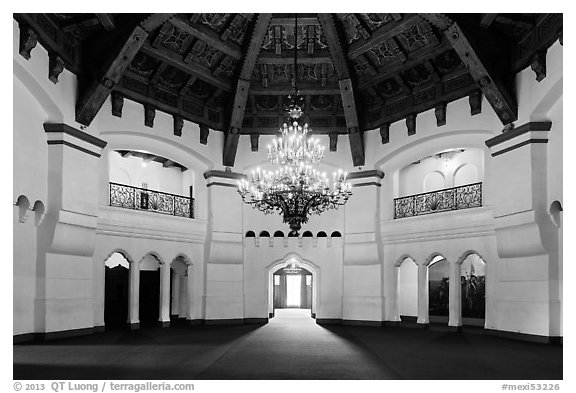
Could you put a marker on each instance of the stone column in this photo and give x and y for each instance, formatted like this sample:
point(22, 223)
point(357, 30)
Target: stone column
point(225, 262)
point(164, 295)
point(190, 293)
point(455, 299)
point(423, 295)
point(134, 296)
point(363, 297)
point(65, 295)
point(175, 294)
point(527, 274)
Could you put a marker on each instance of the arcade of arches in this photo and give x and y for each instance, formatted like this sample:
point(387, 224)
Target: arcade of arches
point(125, 224)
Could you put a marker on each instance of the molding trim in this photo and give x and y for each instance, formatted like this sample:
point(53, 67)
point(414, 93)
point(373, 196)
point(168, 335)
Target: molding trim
point(329, 321)
point(256, 321)
point(354, 322)
point(523, 129)
point(369, 173)
point(223, 174)
point(69, 144)
point(516, 146)
point(83, 136)
point(372, 183)
point(216, 183)
point(22, 338)
point(555, 340)
point(235, 321)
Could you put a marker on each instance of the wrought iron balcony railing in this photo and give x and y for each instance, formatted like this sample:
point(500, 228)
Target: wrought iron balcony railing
point(455, 198)
point(128, 197)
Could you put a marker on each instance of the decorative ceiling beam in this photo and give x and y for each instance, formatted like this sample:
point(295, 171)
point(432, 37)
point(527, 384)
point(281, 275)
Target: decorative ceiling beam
point(305, 89)
point(492, 87)
point(420, 56)
point(301, 21)
point(166, 108)
point(210, 37)
point(251, 55)
point(318, 57)
point(346, 88)
point(177, 61)
point(91, 99)
point(107, 21)
point(385, 33)
point(487, 19)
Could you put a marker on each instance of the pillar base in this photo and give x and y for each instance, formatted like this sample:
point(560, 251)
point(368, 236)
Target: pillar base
point(164, 324)
point(134, 325)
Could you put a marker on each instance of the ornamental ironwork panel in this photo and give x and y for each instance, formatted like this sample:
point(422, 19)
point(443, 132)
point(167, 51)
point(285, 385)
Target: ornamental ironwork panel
point(136, 198)
point(455, 198)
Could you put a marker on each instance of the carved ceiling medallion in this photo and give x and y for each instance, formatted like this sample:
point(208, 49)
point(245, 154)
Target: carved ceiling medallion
point(175, 39)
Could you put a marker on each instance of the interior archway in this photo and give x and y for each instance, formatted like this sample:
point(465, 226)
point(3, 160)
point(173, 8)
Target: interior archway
point(116, 290)
point(438, 289)
point(308, 286)
point(407, 289)
point(178, 289)
point(473, 290)
point(149, 310)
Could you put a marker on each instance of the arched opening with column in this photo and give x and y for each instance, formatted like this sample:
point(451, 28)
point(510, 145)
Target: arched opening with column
point(438, 288)
point(407, 288)
point(179, 288)
point(149, 291)
point(308, 281)
point(472, 288)
point(116, 289)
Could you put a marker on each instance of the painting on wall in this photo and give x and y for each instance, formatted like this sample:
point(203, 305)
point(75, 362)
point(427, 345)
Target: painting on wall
point(438, 285)
point(473, 283)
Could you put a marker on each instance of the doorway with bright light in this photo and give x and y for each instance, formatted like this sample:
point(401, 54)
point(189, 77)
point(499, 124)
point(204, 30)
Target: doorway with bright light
point(292, 288)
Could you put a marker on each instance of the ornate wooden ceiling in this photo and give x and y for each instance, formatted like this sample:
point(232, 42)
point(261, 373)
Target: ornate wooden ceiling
point(233, 72)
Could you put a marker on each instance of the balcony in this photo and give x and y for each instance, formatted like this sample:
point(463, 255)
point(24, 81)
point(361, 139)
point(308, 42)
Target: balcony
point(128, 197)
point(456, 198)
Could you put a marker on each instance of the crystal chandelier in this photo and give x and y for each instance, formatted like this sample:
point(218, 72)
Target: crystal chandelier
point(296, 189)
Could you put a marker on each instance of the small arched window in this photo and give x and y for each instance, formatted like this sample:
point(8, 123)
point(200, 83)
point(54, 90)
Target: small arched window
point(307, 234)
point(336, 234)
point(321, 234)
point(264, 234)
point(278, 234)
point(250, 234)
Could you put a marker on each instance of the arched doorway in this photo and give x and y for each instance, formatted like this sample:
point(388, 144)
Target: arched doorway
point(116, 290)
point(149, 308)
point(407, 289)
point(473, 290)
point(292, 283)
point(438, 289)
point(179, 289)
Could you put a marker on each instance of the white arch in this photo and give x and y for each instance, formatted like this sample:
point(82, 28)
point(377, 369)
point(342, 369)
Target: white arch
point(156, 144)
point(427, 146)
point(37, 91)
point(284, 262)
point(468, 169)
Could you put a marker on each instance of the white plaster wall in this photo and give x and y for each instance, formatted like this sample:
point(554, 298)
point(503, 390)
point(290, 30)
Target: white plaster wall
point(413, 178)
point(237, 287)
point(158, 178)
point(325, 253)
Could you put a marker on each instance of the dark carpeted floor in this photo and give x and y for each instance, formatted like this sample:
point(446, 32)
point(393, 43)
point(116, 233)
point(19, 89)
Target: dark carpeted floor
point(291, 346)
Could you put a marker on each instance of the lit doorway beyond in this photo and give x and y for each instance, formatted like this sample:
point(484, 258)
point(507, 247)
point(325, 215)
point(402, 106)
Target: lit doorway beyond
point(293, 289)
